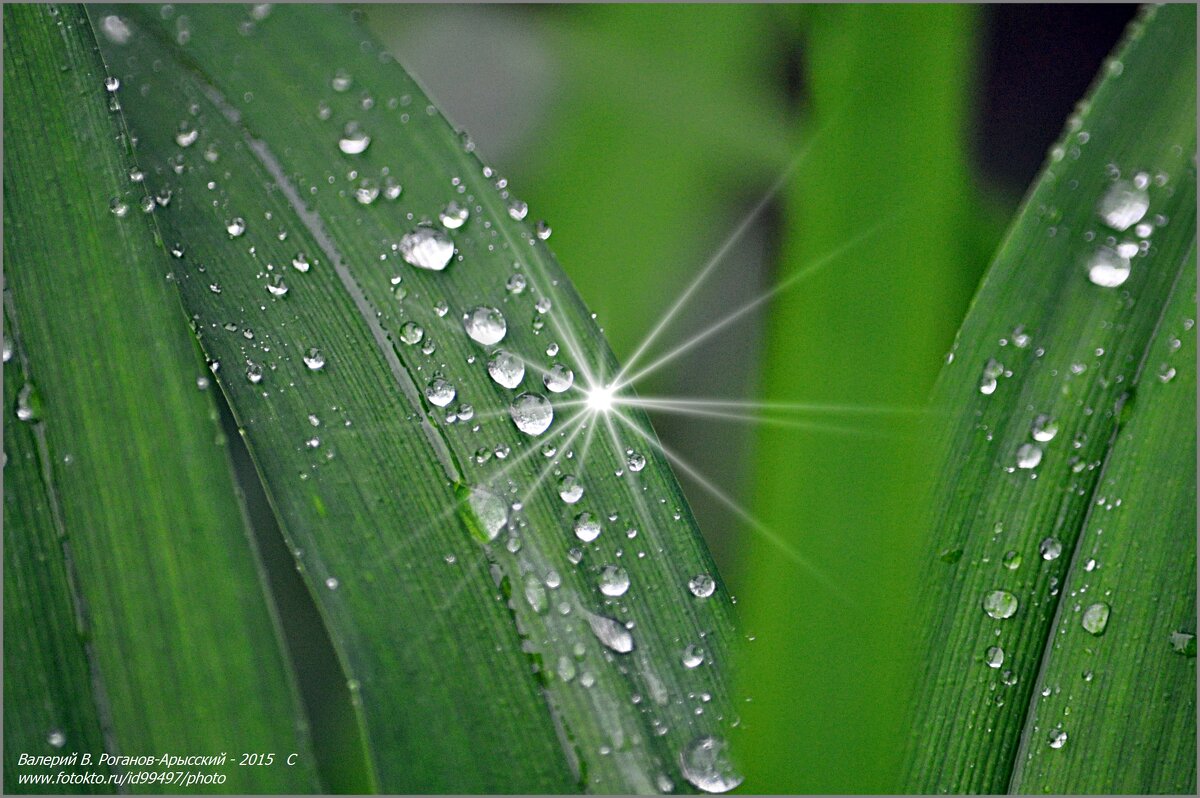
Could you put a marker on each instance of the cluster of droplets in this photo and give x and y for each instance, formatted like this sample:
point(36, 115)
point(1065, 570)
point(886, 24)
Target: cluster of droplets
point(1123, 206)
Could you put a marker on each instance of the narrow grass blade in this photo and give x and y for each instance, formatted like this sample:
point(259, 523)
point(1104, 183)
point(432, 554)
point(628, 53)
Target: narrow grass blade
point(890, 174)
point(467, 613)
point(1066, 475)
point(148, 537)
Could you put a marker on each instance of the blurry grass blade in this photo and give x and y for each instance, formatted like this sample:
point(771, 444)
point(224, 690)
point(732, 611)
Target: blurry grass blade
point(886, 82)
point(119, 452)
point(1063, 569)
point(352, 267)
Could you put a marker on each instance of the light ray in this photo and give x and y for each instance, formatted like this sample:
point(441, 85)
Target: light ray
point(748, 418)
point(785, 407)
point(760, 528)
point(713, 329)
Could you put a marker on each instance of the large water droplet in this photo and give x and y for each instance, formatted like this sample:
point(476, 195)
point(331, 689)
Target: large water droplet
point(314, 359)
point(586, 527)
point(491, 511)
point(1050, 548)
point(1044, 428)
point(635, 460)
point(1000, 604)
point(411, 333)
point(1123, 205)
point(1057, 739)
point(1107, 268)
point(235, 226)
point(611, 633)
point(440, 392)
point(532, 413)
point(1095, 618)
point(1029, 455)
point(702, 585)
point(693, 656)
point(485, 325)
point(506, 369)
point(614, 580)
point(570, 490)
point(354, 140)
point(558, 378)
point(427, 248)
point(705, 764)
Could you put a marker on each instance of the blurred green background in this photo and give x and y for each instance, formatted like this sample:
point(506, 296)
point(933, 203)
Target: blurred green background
point(644, 134)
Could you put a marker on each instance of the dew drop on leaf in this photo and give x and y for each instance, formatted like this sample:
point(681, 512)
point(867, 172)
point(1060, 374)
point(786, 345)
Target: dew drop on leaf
point(314, 359)
point(1050, 548)
point(440, 392)
point(570, 490)
point(1123, 205)
point(693, 656)
point(453, 216)
point(586, 527)
point(411, 333)
point(1057, 739)
point(558, 378)
point(1000, 604)
point(705, 764)
point(702, 585)
point(1044, 428)
point(611, 633)
point(1183, 643)
point(1107, 268)
point(485, 325)
point(994, 657)
point(1029, 455)
point(427, 248)
point(1095, 618)
point(506, 369)
point(354, 140)
point(532, 413)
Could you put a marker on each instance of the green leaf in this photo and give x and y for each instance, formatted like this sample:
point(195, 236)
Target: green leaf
point(476, 666)
point(136, 621)
point(1097, 518)
point(864, 331)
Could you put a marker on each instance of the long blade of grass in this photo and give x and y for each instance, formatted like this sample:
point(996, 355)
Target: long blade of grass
point(886, 82)
point(121, 521)
point(1064, 521)
point(467, 613)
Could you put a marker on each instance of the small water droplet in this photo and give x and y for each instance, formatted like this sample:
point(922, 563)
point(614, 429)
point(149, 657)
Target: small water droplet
point(332, 583)
point(119, 207)
point(1029, 455)
point(111, 83)
point(254, 372)
point(586, 527)
point(702, 585)
point(485, 325)
point(558, 378)
point(635, 460)
point(1050, 548)
point(994, 657)
point(56, 738)
point(367, 191)
point(1012, 560)
point(706, 765)
point(532, 413)
point(186, 135)
point(427, 248)
point(235, 227)
point(1057, 739)
point(570, 490)
point(411, 333)
point(988, 381)
point(516, 284)
point(611, 633)
point(341, 80)
point(301, 263)
point(276, 286)
point(693, 656)
point(1107, 268)
point(1166, 373)
point(1124, 205)
point(440, 392)
point(517, 210)
point(543, 230)
point(1095, 618)
point(614, 580)
point(1183, 643)
point(1000, 604)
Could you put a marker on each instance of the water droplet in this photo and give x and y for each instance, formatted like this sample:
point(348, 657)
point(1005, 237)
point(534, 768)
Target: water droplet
point(115, 30)
point(411, 333)
point(570, 490)
point(186, 135)
point(341, 80)
point(276, 286)
point(506, 369)
point(332, 583)
point(367, 191)
point(614, 580)
point(991, 370)
point(354, 140)
point(119, 207)
point(1107, 268)
point(1008, 678)
point(1044, 428)
point(515, 284)
point(950, 555)
point(1183, 643)
point(535, 594)
point(1095, 618)
point(705, 764)
point(439, 392)
point(693, 656)
point(702, 585)
point(532, 413)
point(1029, 455)
point(1000, 604)
point(1123, 205)
point(490, 509)
point(112, 83)
point(391, 188)
point(543, 230)
point(1012, 560)
point(56, 738)
point(1166, 373)
point(558, 378)
point(517, 210)
point(1050, 548)
point(485, 325)
point(611, 633)
point(635, 460)
point(254, 372)
point(586, 527)
point(300, 263)
point(235, 227)
point(994, 657)
point(1057, 739)
point(453, 216)
point(427, 248)
point(314, 359)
